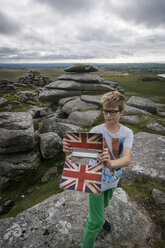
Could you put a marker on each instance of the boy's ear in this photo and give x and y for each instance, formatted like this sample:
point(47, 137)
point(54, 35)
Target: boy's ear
point(122, 112)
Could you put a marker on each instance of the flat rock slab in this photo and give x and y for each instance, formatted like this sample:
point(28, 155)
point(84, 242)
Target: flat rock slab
point(16, 132)
point(60, 220)
point(142, 103)
point(84, 118)
point(130, 119)
point(82, 77)
point(64, 100)
point(55, 95)
point(156, 127)
point(81, 68)
point(73, 85)
point(132, 110)
point(92, 99)
point(78, 104)
point(148, 156)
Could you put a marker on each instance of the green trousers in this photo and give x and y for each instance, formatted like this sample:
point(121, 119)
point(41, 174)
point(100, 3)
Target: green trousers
point(97, 204)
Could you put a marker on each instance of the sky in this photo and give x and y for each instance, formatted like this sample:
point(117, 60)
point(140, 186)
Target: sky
point(82, 31)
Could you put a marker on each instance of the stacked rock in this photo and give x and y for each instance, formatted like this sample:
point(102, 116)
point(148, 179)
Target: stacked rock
point(7, 85)
point(79, 79)
point(16, 146)
point(33, 79)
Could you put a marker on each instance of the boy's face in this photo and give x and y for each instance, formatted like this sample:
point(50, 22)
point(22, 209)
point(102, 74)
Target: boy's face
point(112, 114)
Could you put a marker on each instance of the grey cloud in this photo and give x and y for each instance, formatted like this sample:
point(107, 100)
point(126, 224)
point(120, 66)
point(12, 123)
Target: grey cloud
point(63, 57)
point(101, 34)
point(7, 25)
point(16, 54)
point(150, 13)
point(6, 52)
point(68, 6)
point(33, 56)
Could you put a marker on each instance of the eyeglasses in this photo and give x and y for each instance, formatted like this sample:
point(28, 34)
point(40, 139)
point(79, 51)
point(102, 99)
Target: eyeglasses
point(111, 112)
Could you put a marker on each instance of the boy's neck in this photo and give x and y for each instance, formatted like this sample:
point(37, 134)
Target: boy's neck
point(112, 128)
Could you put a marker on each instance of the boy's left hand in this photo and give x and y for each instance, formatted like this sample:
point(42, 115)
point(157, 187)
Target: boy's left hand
point(104, 156)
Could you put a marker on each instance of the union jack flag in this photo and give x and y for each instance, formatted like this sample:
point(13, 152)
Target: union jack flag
point(92, 141)
point(83, 177)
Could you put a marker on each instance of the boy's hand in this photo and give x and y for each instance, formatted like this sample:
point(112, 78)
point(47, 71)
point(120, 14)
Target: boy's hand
point(104, 156)
point(66, 145)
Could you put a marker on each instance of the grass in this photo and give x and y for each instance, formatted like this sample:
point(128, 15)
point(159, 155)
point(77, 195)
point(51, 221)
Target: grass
point(38, 194)
point(143, 186)
point(144, 120)
point(14, 74)
point(135, 85)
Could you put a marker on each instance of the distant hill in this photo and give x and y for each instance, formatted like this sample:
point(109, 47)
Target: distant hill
point(153, 68)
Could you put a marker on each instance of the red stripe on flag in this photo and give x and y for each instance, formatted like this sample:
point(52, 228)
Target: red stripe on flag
point(85, 145)
point(67, 162)
point(94, 186)
point(67, 185)
point(81, 176)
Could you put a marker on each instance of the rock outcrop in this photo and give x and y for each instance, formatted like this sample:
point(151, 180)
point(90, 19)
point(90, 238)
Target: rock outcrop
point(16, 132)
point(60, 126)
point(7, 85)
point(28, 96)
point(60, 221)
point(142, 103)
point(33, 79)
point(50, 144)
point(79, 80)
point(78, 104)
point(16, 144)
point(148, 156)
point(84, 118)
point(13, 166)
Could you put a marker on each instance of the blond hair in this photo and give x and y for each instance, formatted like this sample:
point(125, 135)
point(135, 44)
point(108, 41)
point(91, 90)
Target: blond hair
point(113, 99)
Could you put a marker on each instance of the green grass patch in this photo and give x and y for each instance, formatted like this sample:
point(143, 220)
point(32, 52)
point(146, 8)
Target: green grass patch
point(137, 84)
point(143, 186)
point(14, 74)
point(37, 195)
point(141, 126)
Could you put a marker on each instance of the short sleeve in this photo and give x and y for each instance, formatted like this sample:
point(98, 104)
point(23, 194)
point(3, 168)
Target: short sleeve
point(128, 141)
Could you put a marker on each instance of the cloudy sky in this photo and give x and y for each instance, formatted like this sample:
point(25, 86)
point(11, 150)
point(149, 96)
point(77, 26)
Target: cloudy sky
point(112, 31)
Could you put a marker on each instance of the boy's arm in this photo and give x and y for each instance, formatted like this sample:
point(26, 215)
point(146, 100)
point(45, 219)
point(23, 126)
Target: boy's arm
point(124, 161)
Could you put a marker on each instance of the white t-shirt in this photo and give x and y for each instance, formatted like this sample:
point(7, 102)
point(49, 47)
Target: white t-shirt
point(115, 142)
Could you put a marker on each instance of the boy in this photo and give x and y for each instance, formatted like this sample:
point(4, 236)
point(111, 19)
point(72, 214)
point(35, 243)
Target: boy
point(116, 154)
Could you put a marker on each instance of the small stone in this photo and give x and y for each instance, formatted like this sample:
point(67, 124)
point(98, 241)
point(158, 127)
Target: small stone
point(156, 127)
point(159, 196)
point(48, 174)
point(8, 203)
point(130, 119)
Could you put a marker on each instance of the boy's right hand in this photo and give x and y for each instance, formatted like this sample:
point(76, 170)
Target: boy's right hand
point(66, 145)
